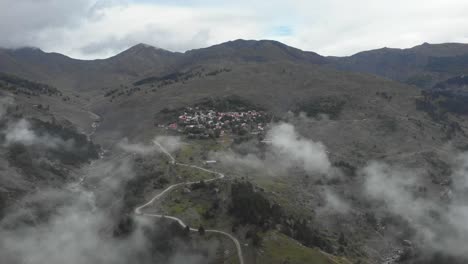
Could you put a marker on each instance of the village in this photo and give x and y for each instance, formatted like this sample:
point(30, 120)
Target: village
point(199, 123)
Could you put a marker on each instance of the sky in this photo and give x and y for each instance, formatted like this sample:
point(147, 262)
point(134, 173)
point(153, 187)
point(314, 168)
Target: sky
point(89, 29)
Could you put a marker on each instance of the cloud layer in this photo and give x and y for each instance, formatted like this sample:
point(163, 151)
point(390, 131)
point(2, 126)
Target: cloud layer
point(101, 28)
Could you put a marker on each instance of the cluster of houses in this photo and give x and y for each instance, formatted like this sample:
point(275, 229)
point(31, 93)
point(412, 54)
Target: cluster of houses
point(203, 124)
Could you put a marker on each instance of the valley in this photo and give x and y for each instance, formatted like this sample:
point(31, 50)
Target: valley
point(243, 152)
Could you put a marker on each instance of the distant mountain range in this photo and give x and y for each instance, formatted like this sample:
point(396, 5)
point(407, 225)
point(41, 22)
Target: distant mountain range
point(424, 65)
point(269, 72)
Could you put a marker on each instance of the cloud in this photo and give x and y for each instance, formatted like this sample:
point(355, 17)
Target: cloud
point(136, 148)
point(97, 29)
point(21, 132)
point(287, 150)
point(439, 220)
point(72, 235)
point(295, 149)
point(70, 223)
point(75, 224)
point(334, 203)
point(170, 143)
point(29, 22)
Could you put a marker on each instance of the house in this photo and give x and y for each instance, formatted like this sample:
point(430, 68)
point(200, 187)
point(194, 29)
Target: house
point(173, 126)
point(210, 162)
point(202, 123)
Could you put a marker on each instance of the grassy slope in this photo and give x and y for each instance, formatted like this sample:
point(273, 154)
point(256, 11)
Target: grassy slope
point(278, 248)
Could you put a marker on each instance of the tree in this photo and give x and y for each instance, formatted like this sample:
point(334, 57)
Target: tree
point(342, 239)
point(201, 230)
point(256, 240)
point(187, 231)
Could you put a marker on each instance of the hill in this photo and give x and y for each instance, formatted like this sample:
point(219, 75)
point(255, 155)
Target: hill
point(355, 110)
point(422, 65)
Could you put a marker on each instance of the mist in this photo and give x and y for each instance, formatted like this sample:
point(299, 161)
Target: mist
point(333, 204)
point(21, 132)
point(288, 150)
point(439, 219)
point(74, 224)
point(170, 143)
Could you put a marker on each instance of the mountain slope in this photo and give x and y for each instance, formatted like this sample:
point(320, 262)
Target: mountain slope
point(417, 65)
point(354, 118)
point(138, 62)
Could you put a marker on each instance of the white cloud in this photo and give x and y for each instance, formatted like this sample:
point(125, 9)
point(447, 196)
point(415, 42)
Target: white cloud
point(292, 147)
point(21, 132)
point(170, 143)
point(440, 226)
point(333, 204)
point(287, 150)
point(91, 28)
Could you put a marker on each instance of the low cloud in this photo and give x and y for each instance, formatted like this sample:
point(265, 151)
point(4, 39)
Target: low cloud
point(170, 143)
point(439, 220)
point(21, 132)
point(75, 224)
point(138, 148)
point(294, 149)
point(72, 223)
point(334, 203)
point(286, 150)
point(74, 234)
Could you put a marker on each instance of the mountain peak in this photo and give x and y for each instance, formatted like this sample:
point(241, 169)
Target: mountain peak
point(144, 46)
point(144, 50)
point(29, 48)
point(26, 49)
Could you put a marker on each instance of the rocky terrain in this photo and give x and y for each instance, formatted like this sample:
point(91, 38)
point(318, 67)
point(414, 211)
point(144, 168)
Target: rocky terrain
point(358, 159)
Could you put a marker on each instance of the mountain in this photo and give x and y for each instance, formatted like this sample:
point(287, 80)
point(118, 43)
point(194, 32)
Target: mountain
point(88, 128)
point(423, 65)
point(139, 61)
point(253, 51)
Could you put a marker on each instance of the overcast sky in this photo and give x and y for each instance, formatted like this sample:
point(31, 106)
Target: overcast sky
point(101, 28)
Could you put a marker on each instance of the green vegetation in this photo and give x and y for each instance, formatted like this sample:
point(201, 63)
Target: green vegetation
point(81, 149)
point(197, 204)
point(19, 85)
point(388, 123)
point(250, 207)
point(278, 248)
point(438, 107)
point(437, 104)
point(229, 103)
point(454, 64)
point(422, 80)
point(347, 168)
point(331, 106)
point(191, 174)
point(456, 82)
point(57, 143)
point(176, 77)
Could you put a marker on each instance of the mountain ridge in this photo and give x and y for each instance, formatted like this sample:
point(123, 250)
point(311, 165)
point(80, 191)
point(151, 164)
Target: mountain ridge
point(353, 116)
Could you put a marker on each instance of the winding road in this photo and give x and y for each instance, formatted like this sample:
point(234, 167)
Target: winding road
point(219, 176)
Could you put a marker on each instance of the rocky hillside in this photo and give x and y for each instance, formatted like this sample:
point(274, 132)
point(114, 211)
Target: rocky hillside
point(424, 65)
point(364, 114)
